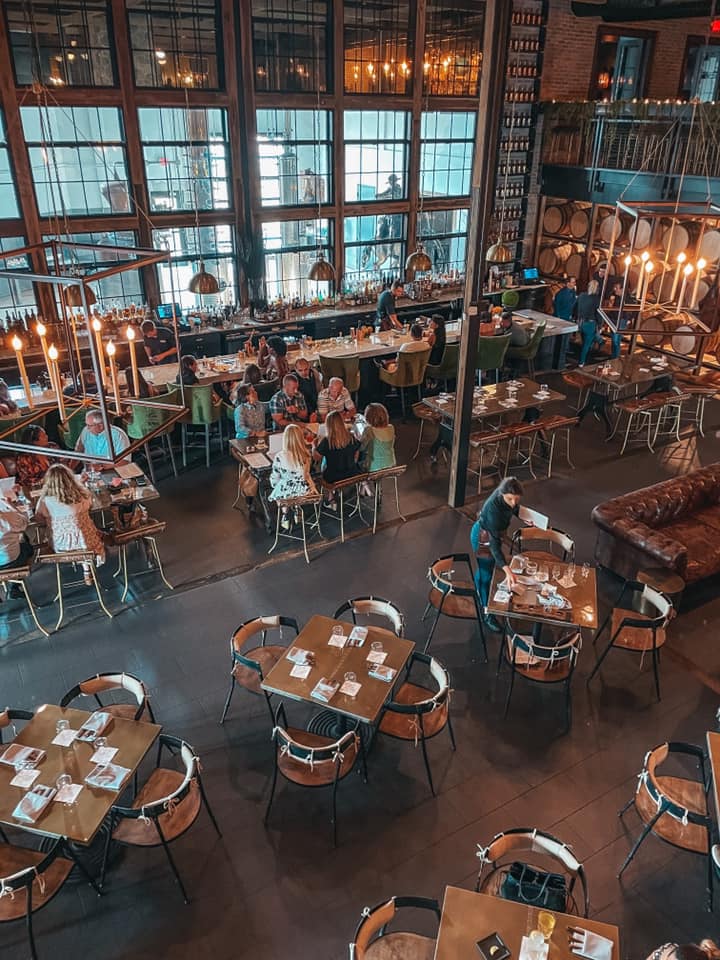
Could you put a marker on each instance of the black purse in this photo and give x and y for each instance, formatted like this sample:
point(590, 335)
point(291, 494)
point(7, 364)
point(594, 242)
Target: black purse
point(524, 884)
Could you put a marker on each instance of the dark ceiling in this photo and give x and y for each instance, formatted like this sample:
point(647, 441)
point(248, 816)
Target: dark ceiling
point(614, 11)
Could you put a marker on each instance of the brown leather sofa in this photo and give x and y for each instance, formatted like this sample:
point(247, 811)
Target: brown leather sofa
point(673, 524)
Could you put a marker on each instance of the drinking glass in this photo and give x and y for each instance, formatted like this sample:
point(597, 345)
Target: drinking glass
point(531, 568)
point(546, 923)
point(337, 630)
point(64, 780)
point(542, 575)
point(585, 571)
point(62, 725)
point(350, 677)
point(100, 742)
point(571, 571)
point(556, 572)
point(537, 941)
point(376, 646)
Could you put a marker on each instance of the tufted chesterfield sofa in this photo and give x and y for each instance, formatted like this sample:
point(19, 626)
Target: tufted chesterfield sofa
point(673, 524)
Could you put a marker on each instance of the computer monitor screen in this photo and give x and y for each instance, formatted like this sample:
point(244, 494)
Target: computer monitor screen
point(165, 311)
point(531, 273)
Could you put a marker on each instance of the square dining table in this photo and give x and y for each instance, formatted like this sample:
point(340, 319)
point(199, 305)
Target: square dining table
point(334, 662)
point(582, 595)
point(468, 917)
point(78, 822)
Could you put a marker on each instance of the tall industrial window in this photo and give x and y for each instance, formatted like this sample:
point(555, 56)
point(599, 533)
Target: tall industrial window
point(623, 64)
point(701, 76)
point(376, 155)
point(291, 44)
point(295, 155)
point(374, 246)
point(77, 157)
point(176, 43)
point(188, 245)
point(378, 47)
point(446, 155)
point(17, 294)
point(444, 236)
point(186, 158)
point(120, 290)
point(291, 247)
point(453, 48)
point(61, 43)
point(8, 195)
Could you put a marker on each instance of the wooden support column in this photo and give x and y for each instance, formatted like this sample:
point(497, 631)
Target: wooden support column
point(490, 111)
point(133, 146)
point(418, 79)
point(338, 83)
point(235, 95)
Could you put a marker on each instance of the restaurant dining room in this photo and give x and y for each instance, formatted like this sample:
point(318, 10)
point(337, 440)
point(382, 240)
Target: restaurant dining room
point(359, 479)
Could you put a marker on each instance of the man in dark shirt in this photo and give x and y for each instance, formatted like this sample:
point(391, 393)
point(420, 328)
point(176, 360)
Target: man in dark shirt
point(386, 309)
point(486, 539)
point(159, 343)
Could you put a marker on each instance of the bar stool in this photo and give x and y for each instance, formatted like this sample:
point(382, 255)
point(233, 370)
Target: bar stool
point(340, 489)
point(58, 560)
point(146, 532)
point(18, 576)
point(376, 478)
point(293, 506)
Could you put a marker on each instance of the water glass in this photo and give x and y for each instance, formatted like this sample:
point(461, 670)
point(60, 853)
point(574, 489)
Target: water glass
point(585, 571)
point(337, 630)
point(61, 725)
point(556, 572)
point(531, 568)
point(100, 742)
point(376, 646)
point(537, 942)
point(571, 571)
point(350, 677)
point(64, 780)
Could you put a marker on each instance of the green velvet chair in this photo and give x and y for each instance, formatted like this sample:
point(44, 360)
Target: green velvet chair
point(72, 428)
point(447, 368)
point(347, 368)
point(529, 351)
point(491, 355)
point(202, 412)
point(267, 389)
point(410, 373)
point(146, 419)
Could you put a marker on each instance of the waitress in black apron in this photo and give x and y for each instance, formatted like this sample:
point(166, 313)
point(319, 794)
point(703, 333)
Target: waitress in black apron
point(486, 539)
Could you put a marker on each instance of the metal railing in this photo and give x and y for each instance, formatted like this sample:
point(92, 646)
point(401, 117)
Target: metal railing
point(658, 138)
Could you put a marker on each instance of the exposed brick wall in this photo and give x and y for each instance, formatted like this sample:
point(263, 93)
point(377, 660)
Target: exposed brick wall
point(570, 52)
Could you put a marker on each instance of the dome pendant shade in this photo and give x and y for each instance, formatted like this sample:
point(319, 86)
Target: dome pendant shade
point(321, 270)
point(203, 283)
point(419, 261)
point(73, 296)
point(499, 253)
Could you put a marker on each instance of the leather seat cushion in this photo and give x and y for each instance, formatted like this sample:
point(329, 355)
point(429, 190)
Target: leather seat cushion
point(401, 946)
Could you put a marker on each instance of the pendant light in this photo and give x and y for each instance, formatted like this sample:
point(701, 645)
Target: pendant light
point(73, 296)
point(419, 261)
point(202, 283)
point(321, 270)
point(499, 252)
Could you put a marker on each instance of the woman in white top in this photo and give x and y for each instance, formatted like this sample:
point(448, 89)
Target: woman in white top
point(290, 474)
point(64, 506)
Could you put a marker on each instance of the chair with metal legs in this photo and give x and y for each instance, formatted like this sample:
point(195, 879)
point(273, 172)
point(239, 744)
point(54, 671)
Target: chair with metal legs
point(373, 607)
point(111, 682)
point(9, 716)
point(674, 808)
point(418, 713)
point(376, 478)
point(251, 661)
point(87, 559)
point(145, 533)
point(451, 597)
point(339, 490)
point(423, 413)
point(167, 805)
point(311, 760)
point(294, 509)
point(373, 939)
point(638, 623)
point(17, 577)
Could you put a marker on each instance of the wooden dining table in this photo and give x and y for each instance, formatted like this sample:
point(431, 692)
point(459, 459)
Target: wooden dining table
point(582, 596)
point(332, 663)
point(468, 917)
point(78, 822)
point(494, 399)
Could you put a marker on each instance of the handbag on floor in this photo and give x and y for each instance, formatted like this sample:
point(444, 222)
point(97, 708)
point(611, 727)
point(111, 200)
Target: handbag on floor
point(247, 483)
point(525, 884)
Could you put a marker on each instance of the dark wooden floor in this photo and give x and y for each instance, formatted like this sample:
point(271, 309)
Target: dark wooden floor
point(284, 892)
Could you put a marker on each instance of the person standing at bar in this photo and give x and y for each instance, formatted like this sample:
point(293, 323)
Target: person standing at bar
point(386, 309)
point(486, 538)
point(159, 343)
point(565, 299)
point(588, 304)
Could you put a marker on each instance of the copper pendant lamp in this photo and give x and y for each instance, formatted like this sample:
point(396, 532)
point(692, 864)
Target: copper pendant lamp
point(499, 253)
point(203, 283)
point(73, 296)
point(321, 270)
point(418, 261)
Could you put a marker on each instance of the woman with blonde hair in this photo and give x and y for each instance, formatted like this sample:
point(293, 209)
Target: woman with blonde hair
point(64, 506)
point(705, 950)
point(290, 474)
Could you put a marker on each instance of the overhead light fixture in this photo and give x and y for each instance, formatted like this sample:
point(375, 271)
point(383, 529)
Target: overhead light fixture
point(203, 283)
point(499, 253)
point(73, 296)
point(418, 261)
point(321, 270)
